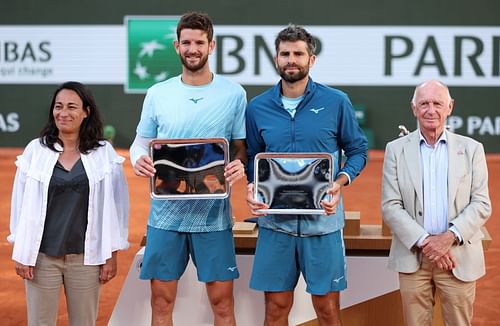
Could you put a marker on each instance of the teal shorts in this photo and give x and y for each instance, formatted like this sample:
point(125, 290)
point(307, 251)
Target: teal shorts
point(281, 257)
point(167, 254)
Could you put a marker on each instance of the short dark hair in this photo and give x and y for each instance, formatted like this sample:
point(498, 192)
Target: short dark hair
point(196, 20)
point(294, 33)
point(90, 129)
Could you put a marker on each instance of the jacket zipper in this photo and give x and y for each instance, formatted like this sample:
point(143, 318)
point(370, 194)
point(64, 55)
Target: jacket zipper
point(292, 130)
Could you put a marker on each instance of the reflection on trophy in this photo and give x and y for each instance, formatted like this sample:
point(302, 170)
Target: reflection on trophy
point(194, 168)
point(293, 182)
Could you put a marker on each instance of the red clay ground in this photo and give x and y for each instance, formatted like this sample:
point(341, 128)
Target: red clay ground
point(363, 196)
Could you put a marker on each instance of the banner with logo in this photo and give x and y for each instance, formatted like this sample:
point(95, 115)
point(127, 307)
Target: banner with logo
point(377, 65)
point(140, 53)
point(93, 54)
point(151, 54)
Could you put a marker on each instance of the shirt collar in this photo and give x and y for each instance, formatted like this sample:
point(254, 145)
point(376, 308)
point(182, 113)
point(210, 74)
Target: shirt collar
point(442, 139)
point(58, 147)
point(311, 86)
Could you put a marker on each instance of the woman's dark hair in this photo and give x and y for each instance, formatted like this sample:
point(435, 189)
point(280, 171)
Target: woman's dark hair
point(91, 128)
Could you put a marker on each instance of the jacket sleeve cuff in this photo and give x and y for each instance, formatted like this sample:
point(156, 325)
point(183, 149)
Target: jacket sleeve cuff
point(421, 239)
point(348, 177)
point(458, 237)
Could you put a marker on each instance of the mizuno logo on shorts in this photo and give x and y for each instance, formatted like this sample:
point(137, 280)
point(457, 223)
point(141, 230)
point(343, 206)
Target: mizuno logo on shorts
point(232, 269)
point(336, 280)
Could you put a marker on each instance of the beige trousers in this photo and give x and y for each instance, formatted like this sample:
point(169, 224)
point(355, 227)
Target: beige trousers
point(418, 296)
point(81, 287)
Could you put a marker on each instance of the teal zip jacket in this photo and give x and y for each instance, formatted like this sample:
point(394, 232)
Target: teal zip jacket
point(324, 122)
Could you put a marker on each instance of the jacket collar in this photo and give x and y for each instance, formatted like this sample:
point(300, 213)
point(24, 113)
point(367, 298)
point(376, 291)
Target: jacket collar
point(413, 162)
point(310, 87)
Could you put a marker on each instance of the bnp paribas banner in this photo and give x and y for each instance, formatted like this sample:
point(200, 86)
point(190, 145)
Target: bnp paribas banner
point(151, 54)
point(140, 53)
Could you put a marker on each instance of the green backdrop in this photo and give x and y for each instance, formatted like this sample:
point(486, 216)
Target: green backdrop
point(385, 107)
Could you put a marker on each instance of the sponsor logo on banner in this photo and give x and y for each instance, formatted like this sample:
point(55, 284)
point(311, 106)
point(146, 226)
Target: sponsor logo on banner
point(474, 125)
point(25, 58)
point(151, 53)
point(141, 53)
point(52, 54)
point(9, 122)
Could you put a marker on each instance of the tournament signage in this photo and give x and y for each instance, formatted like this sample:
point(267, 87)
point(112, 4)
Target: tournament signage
point(53, 54)
point(151, 53)
point(9, 122)
point(140, 53)
point(359, 59)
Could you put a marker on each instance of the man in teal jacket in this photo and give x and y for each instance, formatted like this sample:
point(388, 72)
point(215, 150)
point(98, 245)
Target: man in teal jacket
point(299, 115)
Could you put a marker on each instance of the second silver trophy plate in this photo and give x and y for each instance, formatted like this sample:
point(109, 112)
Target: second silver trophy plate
point(293, 183)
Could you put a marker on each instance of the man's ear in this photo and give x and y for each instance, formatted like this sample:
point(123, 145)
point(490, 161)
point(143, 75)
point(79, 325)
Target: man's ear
point(451, 105)
point(312, 61)
point(211, 46)
point(176, 46)
point(413, 109)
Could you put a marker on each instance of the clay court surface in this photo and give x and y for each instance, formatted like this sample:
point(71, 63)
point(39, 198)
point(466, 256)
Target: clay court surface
point(363, 196)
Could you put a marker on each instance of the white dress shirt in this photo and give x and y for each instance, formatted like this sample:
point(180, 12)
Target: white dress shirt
point(434, 164)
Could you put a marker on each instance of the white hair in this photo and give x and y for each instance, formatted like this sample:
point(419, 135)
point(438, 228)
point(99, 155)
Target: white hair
point(428, 82)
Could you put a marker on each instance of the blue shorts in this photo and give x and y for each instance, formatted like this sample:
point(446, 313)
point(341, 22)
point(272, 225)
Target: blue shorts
point(167, 254)
point(280, 257)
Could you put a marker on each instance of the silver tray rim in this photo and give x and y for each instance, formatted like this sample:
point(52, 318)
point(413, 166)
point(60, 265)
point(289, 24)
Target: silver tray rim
point(295, 155)
point(189, 141)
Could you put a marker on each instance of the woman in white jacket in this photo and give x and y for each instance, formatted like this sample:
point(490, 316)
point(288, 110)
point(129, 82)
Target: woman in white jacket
point(69, 213)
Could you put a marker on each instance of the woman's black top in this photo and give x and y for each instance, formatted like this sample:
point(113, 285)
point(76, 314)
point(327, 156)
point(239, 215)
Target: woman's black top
point(67, 208)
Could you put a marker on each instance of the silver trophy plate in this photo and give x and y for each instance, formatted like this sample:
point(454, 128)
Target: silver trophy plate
point(189, 168)
point(293, 183)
